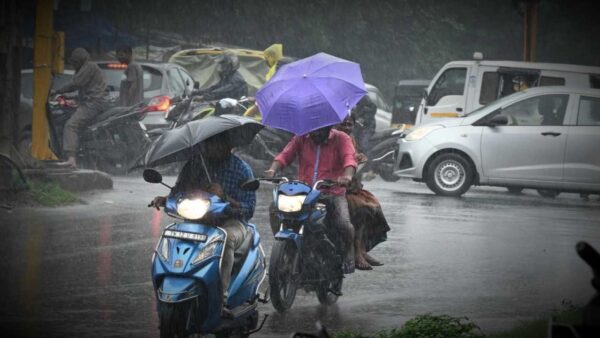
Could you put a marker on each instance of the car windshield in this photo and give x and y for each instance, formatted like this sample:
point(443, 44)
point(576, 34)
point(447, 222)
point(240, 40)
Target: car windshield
point(495, 104)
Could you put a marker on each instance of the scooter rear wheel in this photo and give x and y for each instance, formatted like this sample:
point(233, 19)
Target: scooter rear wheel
point(282, 266)
point(324, 291)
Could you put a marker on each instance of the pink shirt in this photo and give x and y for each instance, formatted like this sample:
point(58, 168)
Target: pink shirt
point(336, 154)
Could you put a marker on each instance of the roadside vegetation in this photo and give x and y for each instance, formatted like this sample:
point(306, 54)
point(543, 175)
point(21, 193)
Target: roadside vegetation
point(50, 194)
point(443, 326)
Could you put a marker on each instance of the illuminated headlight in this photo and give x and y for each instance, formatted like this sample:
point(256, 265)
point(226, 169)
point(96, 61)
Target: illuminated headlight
point(419, 133)
point(290, 203)
point(193, 209)
point(411, 108)
point(164, 249)
point(207, 252)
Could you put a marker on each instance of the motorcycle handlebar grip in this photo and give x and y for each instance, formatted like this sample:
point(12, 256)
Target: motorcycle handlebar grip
point(589, 255)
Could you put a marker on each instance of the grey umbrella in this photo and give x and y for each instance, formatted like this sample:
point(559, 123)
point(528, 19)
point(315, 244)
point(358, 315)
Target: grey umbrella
point(179, 144)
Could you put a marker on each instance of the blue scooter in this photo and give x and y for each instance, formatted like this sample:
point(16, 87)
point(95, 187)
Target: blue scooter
point(186, 270)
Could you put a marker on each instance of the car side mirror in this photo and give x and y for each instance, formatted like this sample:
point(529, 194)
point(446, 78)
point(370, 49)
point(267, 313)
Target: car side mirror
point(196, 85)
point(250, 185)
point(498, 120)
point(152, 176)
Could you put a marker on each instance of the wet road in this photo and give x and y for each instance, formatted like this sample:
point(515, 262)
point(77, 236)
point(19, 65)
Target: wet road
point(494, 257)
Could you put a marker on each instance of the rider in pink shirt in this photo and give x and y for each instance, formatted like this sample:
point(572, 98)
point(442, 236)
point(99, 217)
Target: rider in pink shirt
point(325, 154)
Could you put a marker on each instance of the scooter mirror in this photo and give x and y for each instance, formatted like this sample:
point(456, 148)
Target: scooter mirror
point(250, 185)
point(152, 176)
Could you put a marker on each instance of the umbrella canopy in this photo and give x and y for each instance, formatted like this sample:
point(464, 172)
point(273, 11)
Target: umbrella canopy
point(179, 144)
point(311, 93)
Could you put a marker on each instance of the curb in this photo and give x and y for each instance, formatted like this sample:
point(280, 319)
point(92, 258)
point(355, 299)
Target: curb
point(73, 180)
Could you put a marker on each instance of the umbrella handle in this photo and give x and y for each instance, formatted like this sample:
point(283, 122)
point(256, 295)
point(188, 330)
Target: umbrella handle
point(205, 169)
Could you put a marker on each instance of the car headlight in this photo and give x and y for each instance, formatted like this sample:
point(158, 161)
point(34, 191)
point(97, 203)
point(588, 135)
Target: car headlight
point(207, 252)
point(193, 209)
point(164, 249)
point(419, 133)
point(290, 203)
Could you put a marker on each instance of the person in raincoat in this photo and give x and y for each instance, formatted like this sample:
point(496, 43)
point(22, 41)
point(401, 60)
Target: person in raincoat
point(228, 172)
point(273, 55)
point(231, 83)
point(132, 86)
point(92, 98)
point(367, 217)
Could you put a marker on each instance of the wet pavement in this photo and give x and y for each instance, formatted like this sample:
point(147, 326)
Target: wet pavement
point(494, 257)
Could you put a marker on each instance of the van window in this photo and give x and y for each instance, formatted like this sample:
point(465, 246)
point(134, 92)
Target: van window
point(589, 111)
point(546, 110)
point(552, 81)
point(489, 87)
point(595, 81)
point(451, 82)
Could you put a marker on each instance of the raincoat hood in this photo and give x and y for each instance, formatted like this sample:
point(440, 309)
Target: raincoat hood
point(79, 56)
point(273, 54)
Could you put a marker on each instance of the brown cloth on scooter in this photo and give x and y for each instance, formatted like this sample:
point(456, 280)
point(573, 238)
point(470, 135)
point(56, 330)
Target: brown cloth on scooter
point(366, 213)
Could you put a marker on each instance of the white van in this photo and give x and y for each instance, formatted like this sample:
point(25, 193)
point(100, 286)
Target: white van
point(463, 86)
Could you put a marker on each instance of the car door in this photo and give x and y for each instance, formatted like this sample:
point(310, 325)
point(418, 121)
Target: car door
point(531, 147)
point(447, 97)
point(582, 155)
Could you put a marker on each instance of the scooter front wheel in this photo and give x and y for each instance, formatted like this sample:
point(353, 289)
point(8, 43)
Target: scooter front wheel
point(172, 321)
point(282, 266)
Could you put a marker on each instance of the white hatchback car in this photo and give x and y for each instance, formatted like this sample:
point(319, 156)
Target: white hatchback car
point(547, 138)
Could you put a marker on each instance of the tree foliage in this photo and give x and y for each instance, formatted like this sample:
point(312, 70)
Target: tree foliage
point(391, 39)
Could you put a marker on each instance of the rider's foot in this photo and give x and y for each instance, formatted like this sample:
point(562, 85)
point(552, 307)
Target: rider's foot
point(72, 162)
point(362, 264)
point(371, 260)
point(348, 266)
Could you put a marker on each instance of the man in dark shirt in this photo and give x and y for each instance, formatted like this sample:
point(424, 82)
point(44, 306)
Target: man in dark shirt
point(227, 173)
point(231, 83)
point(92, 98)
point(132, 86)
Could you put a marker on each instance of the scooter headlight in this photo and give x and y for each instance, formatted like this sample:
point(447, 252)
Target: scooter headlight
point(164, 249)
point(207, 252)
point(290, 203)
point(193, 209)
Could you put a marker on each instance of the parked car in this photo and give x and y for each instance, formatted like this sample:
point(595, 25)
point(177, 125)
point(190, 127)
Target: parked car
point(407, 96)
point(542, 138)
point(162, 83)
point(460, 87)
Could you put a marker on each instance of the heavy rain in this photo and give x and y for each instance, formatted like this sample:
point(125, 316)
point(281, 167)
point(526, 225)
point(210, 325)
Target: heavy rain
point(300, 169)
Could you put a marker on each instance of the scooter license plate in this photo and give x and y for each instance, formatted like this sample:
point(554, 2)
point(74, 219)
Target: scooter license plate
point(190, 236)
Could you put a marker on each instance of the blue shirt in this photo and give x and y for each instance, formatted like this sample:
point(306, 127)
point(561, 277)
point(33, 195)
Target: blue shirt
point(229, 175)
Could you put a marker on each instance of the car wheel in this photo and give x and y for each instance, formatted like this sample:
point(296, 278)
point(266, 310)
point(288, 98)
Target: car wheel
point(515, 190)
point(548, 193)
point(449, 174)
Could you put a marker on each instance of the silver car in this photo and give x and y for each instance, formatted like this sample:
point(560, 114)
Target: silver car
point(547, 138)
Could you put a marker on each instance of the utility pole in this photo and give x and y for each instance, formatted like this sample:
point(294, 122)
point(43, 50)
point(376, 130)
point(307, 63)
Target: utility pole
point(529, 11)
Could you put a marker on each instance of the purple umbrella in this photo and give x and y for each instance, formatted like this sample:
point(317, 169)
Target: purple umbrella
point(311, 93)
